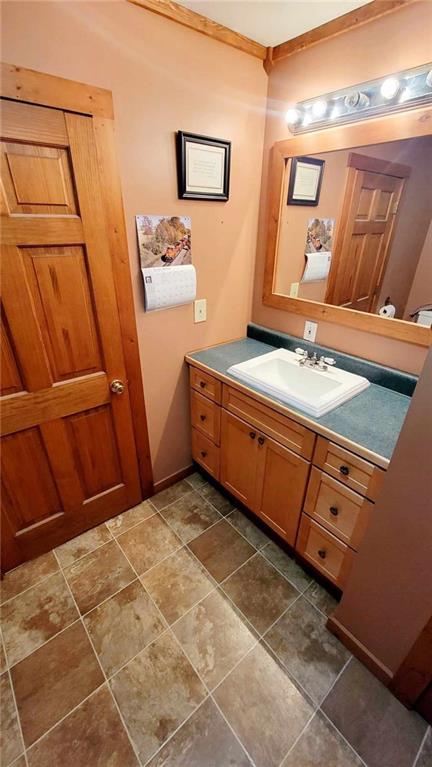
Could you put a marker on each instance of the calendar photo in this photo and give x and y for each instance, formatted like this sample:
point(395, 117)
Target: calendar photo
point(164, 240)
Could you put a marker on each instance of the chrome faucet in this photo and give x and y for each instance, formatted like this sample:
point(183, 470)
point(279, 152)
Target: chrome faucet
point(311, 360)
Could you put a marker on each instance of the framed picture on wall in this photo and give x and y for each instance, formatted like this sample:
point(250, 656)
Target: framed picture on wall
point(203, 167)
point(305, 181)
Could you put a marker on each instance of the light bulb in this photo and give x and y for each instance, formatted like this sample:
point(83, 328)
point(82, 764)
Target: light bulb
point(389, 88)
point(429, 79)
point(319, 108)
point(334, 113)
point(306, 120)
point(292, 116)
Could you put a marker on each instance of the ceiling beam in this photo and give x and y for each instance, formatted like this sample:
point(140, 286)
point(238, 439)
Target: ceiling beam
point(334, 28)
point(202, 24)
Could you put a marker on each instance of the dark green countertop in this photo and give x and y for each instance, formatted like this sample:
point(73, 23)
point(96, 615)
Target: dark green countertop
point(372, 419)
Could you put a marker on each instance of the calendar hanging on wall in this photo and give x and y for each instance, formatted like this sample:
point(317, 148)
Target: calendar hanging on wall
point(165, 249)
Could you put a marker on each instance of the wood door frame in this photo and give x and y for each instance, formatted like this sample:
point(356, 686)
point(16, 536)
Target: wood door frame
point(32, 87)
point(361, 162)
point(394, 127)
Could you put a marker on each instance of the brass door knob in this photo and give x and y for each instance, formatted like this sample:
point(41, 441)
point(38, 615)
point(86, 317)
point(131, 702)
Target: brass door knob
point(117, 386)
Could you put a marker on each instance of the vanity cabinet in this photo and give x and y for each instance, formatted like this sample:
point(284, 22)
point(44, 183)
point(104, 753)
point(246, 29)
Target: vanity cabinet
point(315, 494)
point(265, 476)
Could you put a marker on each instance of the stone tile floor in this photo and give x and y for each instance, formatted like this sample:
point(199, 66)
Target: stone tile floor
point(179, 635)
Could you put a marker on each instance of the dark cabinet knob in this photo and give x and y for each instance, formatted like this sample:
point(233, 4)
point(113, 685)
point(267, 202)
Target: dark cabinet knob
point(203, 453)
point(203, 384)
point(334, 510)
point(344, 470)
point(252, 434)
point(261, 440)
point(203, 417)
point(322, 553)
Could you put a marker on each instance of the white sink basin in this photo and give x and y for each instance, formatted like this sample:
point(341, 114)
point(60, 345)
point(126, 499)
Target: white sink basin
point(315, 391)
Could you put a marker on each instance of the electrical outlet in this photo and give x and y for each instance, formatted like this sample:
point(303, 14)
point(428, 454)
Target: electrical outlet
point(310, 330)
point(200, 310)
point(294, 289)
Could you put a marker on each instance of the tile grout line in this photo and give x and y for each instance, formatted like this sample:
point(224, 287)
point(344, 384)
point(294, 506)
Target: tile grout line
point(317, 709)
point(102, 669)
point(24, 750)
point(47, 641)
point(342, 736)
point(195, 670)
point(24, 591)
point(423, 741)
point(259, 634)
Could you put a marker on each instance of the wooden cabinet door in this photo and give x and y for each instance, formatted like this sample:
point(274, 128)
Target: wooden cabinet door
point(238, 458)
point(280, 487)
point(68, 449)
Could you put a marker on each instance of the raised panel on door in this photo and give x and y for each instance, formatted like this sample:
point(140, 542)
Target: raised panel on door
point(238, 458)
point(72, 346)
point(10, 376)
point(63, 341)
point(367, 224)
point(281, 484)
point(29, 491)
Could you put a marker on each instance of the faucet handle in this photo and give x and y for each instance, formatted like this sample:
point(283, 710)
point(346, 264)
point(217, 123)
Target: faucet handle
point(329, 360)
point(301, 352)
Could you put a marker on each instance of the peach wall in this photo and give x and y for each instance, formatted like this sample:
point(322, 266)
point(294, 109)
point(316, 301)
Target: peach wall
point(388, 599)
point(394, 42)
point(164, 78)
point(421, 290)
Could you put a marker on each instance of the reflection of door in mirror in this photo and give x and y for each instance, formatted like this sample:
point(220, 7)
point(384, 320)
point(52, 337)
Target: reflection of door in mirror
point(379, 197)
point(369, 211)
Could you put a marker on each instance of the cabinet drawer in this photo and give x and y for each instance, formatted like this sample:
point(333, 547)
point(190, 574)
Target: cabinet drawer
point(205, 453)
point(325, 552)
point(352, 471)
point(206, 384)
point(205, 416)
point(289, 433)
point(340, 510)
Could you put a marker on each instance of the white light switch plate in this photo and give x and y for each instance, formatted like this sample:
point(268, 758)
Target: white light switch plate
point(310, 330)
point(200, 310)
point(294, 289)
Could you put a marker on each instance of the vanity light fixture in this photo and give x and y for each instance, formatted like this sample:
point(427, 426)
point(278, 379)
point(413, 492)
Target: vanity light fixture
point(403, 90)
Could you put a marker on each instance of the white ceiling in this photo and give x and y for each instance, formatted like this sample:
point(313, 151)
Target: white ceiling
point(271, 22)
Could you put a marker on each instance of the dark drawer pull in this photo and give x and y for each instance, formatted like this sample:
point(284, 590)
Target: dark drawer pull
point(203, 384)
point(203, 453)
point(322, 553)
point(203, 417)
point(334, 510)
point(252, 434)
point(261, 440)
point(344, 470)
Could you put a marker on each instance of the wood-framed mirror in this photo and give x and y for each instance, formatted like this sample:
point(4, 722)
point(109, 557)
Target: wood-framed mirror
point(366, 242)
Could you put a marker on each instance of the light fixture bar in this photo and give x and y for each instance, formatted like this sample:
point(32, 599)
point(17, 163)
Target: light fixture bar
point(394, 93)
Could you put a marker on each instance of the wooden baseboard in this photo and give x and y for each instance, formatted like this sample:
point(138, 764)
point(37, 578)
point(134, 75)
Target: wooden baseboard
point(360, 651)
point(173, 478)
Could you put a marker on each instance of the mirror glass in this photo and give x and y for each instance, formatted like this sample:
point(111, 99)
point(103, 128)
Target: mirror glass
point(355, 229)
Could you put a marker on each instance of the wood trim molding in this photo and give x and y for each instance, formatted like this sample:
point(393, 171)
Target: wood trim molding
point(359, 650)
point(162, 484)
point(202, 24)
point(35, 87)
point(393, 127)
point(27, 85)
point(335, 27)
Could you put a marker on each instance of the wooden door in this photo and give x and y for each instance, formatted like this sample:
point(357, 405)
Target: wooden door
point(280, 487)
point(368, 217)
point(68, 450)
point(238, 458)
